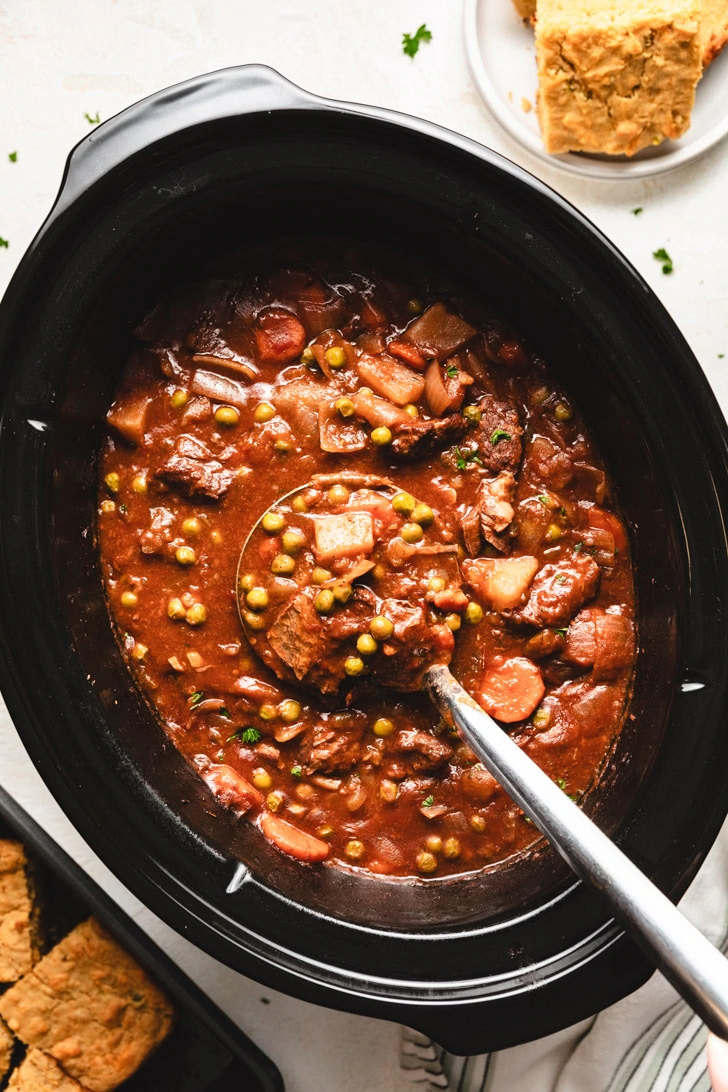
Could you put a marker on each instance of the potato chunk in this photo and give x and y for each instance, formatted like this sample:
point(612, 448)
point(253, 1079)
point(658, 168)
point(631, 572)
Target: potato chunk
point(500, 582)
point(346, 535)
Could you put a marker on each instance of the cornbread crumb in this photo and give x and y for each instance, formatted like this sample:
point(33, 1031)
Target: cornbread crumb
point(7, 1042)
point(18, 932)
point(526, 106)
point(91, 1006)
point(614, 79)
point(714, 28)
point(39, 1073)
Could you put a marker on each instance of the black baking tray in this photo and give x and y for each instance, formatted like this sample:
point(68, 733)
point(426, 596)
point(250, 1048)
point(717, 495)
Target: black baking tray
point(206, 1051)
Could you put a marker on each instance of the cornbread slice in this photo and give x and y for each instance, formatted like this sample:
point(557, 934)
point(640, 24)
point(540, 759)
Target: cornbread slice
point(714, 28)
point(18, 918)
point(89, 1005)
point(7, 1042)
point(39, 1073)
point(615, 78)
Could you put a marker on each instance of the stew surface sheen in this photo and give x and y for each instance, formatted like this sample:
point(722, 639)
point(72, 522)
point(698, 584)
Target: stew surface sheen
point(456, 510)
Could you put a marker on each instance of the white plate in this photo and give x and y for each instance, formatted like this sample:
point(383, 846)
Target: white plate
point(502, 59)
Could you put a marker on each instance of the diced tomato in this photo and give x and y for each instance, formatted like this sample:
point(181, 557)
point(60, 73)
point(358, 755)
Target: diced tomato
point(511, 688)
point(409, 353)
point(607, 521)
point(279, 335)
point(296, 843)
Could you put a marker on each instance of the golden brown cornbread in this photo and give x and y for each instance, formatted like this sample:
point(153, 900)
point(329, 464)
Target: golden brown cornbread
point(614, 78)
point(526, 9)
point(18, 940)
point(7, 1042)
point(89, 1005)
point(714, 28)
point(39, 1073)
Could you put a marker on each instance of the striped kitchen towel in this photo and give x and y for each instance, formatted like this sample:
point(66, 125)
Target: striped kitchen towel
point(650, 1042)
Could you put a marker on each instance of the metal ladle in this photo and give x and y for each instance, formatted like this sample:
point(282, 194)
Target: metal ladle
point(697, 970)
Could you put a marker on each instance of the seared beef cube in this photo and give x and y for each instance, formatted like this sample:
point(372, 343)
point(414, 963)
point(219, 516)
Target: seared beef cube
point(310, 644)
point(499, 435)
point(419, 439)
point(599, 639)
point(325, 750)
point(419, 750)
point(192, 470)
point(414, 645)
point(559, 590)
point(491, 514)
point(546, 462)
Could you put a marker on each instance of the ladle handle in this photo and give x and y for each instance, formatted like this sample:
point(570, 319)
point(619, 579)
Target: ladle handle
point(687, 959)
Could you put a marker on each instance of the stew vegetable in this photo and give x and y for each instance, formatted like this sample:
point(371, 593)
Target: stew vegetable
point(430, 495)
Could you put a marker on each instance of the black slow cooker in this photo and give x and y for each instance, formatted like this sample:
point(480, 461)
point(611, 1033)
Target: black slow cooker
point(235, 158)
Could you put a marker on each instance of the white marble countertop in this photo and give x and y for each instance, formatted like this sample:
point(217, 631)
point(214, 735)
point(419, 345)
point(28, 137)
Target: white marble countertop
point(60, 59)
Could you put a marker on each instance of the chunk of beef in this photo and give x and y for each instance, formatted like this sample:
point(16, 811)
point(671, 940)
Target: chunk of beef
point(309, 644)
point(420, 750)
point(499, 435)
point(192, 470)
point(491, 514)
point(559, 590)
point(546, 462)
point(600, 640)
point(419, 439)
point(414, 645)
point(159, 532)
point(326, 750)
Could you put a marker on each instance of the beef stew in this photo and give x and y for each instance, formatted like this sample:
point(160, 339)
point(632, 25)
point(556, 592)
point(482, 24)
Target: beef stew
point(433, 495)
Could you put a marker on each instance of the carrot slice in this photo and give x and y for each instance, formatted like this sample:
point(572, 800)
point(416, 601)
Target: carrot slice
point(291, 840)
point(279, 335)
point(511, 689)
point(607, 521)
point(232, 790)
point(409, 353)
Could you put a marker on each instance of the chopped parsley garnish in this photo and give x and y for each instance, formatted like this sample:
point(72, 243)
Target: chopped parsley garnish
point(95, 120)
point(561, 632)
point(244, 735)
point(123, 509)
point(561, 579)
point(545, 501)
point(561, 783)
point(428, 801)
point(220, 756)
point(462, 458)
point(4, 242)
point(13, 157)
point(451, 371)
point(661, 255)
point(411, 42)
point(223, 712)
point(720, 356)
point(498, 435)
point(578, 547)
point(196, 698)
point(296, 771)
point(637, 211)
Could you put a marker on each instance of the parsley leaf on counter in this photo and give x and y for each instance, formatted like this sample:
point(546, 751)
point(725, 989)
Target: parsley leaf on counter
point(13, 157)
point(661, 255)
point(636, 212)
point(4, 242)
point(95, 120)
point(411, 42)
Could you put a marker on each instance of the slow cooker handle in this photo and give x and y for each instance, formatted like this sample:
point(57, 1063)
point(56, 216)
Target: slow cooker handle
point(215, 96)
